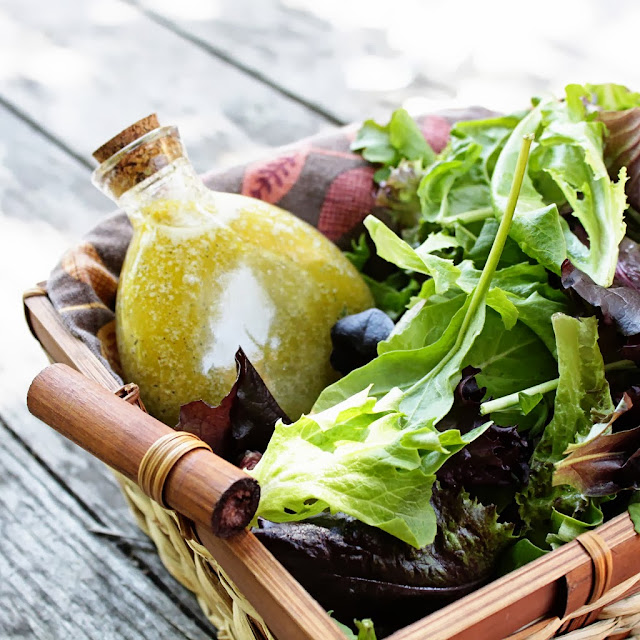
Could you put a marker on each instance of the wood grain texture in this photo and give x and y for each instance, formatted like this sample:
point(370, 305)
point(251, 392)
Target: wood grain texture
point(87, 69)
point(536, 590)
point(50, 563)
point(302, 51)
point(200, 485)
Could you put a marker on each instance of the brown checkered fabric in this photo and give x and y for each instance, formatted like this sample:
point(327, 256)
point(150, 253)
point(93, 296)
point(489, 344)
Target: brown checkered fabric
point(319, 180)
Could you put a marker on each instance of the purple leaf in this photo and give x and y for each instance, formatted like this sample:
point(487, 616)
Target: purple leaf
point(349, 566)
point(628, 267)
point(497, 458)
point(622, 148)
point(242, 423)
point(467, 397)
point(606, 464)
point(618, 304)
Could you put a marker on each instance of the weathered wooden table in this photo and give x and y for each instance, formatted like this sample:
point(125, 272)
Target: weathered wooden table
point(237, 77)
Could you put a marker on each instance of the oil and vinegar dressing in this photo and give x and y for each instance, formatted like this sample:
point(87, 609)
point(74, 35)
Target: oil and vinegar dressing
point(209, 272)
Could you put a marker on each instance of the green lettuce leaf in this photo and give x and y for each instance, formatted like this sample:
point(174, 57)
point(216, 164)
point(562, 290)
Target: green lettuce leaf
point(612, 97)
point(366, 630)
point(582, 396)
point(393, 294)
point(536, 224)
point(567, 166)
point(371, 447)
point(357, 458)
point(388, 144)
point(456, 188)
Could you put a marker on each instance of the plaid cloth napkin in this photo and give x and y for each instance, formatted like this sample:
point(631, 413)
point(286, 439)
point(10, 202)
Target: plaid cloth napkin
point(318, 179)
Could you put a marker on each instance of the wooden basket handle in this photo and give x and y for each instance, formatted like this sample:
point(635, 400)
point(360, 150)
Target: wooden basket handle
point(179, 470)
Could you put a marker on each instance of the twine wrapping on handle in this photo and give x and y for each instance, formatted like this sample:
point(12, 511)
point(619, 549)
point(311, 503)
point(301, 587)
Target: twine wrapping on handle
point(602, 562)
point(160, 459)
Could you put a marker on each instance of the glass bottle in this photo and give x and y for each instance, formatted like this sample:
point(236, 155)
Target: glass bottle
point(209, 272)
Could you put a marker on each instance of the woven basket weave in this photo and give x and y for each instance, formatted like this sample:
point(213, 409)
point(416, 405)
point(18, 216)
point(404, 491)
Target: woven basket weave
point(195, 568)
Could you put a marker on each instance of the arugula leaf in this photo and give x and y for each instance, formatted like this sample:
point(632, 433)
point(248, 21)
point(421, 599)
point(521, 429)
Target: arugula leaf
point(479, 252)
point(393, 249)
point(509, 360)
point(582, 393)
point(423, 324)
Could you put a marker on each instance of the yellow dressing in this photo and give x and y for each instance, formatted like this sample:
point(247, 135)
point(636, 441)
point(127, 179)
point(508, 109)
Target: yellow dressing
point(202, 278)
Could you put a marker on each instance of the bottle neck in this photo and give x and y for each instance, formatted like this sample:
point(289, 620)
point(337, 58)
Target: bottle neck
point(153, 175)
point(175, 189)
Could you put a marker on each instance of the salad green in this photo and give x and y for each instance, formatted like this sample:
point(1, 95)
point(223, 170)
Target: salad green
point(486, 234)
point(504, 391)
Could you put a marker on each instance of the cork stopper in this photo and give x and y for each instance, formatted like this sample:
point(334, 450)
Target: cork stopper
point(126, 137)
point(135, 154)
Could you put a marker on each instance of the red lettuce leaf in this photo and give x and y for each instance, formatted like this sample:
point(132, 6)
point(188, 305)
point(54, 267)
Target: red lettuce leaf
point(497, 458)
point(618, 304)
point(622, 148)
point(360, 570)
point(628, 267)
point(467, 397)
point(242, 424)
point(606, 464)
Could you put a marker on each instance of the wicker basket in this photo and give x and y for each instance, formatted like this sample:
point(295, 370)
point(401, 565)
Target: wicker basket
point(587, 589)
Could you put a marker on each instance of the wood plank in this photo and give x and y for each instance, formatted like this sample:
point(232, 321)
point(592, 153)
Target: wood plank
point(359, 59)
point(45, 195)
point(87, 71)
point(58, 580)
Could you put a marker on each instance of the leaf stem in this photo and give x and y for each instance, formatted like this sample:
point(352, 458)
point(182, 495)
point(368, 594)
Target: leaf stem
point(512, 400)
point(480, 292)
